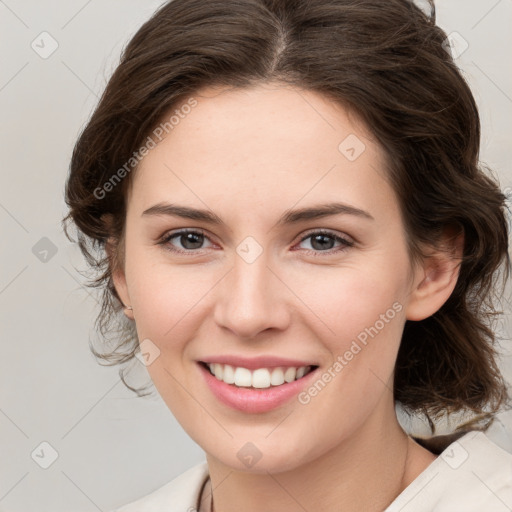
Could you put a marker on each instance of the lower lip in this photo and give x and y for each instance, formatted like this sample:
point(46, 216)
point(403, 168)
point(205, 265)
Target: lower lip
point(252, 400)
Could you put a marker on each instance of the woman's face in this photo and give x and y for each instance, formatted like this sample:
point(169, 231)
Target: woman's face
point(262, 281)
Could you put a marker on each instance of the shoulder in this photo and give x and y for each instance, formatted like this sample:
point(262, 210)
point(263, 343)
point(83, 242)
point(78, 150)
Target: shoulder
point(180, 494)
point(470, 474)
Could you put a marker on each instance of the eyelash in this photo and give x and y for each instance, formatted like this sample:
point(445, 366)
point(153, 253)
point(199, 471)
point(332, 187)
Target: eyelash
point(165, 241)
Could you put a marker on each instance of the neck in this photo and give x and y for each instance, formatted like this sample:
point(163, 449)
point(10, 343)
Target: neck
point(364, 472)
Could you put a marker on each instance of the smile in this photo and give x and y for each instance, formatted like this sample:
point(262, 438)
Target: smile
point(237, 386)
point(260, 378)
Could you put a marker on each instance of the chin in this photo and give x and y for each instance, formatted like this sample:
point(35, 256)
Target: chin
point(249, 459)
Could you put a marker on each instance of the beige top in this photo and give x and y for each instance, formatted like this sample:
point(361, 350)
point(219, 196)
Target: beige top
point(471, 474)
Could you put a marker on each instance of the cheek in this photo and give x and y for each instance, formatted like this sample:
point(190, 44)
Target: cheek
point(364, 312)
point(166, 297)
point(168, 300)
point(358, 314)
point(348, 300)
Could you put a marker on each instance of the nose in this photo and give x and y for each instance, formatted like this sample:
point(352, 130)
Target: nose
point(252, 299)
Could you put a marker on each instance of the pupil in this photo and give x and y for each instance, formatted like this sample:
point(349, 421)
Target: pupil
point(322, 238)
point(192, 238)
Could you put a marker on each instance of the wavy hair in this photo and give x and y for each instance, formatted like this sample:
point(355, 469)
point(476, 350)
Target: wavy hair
point(386, 61)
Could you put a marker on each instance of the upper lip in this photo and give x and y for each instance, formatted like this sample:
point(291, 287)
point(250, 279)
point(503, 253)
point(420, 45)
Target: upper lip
point(253, 363)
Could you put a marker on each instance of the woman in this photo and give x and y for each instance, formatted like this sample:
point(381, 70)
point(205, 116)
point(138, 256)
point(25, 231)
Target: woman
point(297, 229)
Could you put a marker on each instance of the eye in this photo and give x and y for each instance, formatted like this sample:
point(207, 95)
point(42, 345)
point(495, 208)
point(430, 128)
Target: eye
point(322, 242)
point(189, 239)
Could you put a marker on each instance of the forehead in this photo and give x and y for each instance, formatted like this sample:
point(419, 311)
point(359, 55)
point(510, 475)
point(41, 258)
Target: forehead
point(272, 144)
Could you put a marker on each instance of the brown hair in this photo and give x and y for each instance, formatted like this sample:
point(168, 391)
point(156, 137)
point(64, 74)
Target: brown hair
point(387, 62)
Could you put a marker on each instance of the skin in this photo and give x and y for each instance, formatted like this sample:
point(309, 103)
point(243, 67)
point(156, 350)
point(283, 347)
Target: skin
point(250, 155)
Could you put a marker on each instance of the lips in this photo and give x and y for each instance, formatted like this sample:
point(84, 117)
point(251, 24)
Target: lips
point(250, 399)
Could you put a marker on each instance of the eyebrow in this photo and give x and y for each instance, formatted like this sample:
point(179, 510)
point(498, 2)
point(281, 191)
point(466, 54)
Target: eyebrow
point(289, 217)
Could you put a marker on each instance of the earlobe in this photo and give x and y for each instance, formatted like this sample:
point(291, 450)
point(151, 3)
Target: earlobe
point(436, 279)
point(119, 279)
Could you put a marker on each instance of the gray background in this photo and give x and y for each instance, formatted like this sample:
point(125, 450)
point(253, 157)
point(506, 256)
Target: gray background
point(112, 447)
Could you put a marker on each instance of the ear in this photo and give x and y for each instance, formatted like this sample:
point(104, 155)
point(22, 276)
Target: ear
point(118, 275)
point(436, 277)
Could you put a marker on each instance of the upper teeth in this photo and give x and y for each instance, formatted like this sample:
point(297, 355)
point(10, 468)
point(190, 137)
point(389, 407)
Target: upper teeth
point(260, 378)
